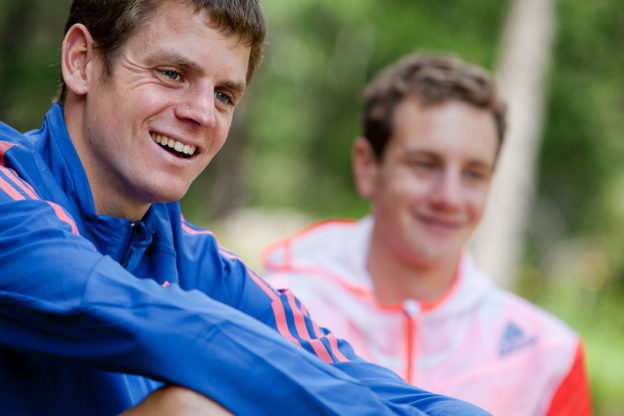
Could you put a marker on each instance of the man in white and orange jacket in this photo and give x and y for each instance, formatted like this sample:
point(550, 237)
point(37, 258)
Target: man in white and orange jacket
point(400, 285)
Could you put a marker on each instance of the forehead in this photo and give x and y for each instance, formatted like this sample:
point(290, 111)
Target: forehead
point(176, 13)
point(181, 28)
point(446, 128)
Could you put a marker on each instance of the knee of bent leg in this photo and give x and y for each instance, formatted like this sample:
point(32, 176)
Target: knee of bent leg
point(177, 401)
point(184, 401)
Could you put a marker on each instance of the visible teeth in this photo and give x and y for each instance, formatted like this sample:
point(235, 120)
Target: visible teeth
point(180, 147)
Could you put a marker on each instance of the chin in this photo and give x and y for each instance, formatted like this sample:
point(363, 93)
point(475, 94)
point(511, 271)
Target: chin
point(167, 197)
point(430, 258)
point(421, 261)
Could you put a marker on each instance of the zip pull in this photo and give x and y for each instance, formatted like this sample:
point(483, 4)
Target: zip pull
point(411, 307)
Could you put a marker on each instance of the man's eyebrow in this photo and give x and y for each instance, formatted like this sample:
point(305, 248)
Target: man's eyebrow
point(436, 155)
point(177, 59)
point(420, 152)
point(237, 87)
point(479, 163)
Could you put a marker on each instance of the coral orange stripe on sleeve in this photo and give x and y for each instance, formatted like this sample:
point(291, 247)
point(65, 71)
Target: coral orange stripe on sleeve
point(11, 191)
point(331, 338)
point(573, 397)
point(333, 341)
point(4, 146)
point(302, 331)
point(266, 288)
point(191, 230)
point(64, 217)
point(21, 184)
point(282, 324)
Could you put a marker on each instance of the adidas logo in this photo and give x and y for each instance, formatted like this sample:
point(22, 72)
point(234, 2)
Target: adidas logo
point(513, 339)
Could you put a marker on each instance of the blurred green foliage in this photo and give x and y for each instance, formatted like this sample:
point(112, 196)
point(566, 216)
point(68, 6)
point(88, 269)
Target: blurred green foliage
point(291, 139)
point(31, 32)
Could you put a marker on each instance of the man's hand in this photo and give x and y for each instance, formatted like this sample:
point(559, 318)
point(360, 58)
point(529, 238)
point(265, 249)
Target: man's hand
point(176, 401)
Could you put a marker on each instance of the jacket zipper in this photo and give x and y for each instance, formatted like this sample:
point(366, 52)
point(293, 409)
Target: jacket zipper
point(409, 347)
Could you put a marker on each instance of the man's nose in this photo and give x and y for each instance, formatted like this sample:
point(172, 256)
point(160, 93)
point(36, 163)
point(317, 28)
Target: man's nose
point(447, 190)
point(199, 107)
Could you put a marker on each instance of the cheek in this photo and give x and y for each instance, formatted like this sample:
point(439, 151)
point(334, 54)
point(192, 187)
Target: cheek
point(145, 106)
point(211, 152)
point(220, 134)
point(476, 203)
point(410, 190)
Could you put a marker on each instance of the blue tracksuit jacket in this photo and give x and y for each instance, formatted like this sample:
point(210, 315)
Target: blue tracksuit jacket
point(96, 312)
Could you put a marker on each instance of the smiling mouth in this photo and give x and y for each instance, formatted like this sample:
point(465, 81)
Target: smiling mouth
point(440, 224)
point(173, 146)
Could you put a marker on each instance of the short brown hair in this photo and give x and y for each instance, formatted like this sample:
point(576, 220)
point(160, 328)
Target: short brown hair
point(112, 22)
point(431, 79)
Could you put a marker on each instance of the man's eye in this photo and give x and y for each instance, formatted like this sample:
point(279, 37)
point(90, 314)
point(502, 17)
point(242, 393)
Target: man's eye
point(422, 164)
point(476, 175)
point(223, 97)
point(172, 75)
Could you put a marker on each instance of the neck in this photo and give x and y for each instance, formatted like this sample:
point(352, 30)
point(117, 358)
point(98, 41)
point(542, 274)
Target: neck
point(397, 279)
point(110, 206)
point(108, 199)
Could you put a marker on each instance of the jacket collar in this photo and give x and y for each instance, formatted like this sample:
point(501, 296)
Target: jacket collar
point(55, 146)
point(338, 251)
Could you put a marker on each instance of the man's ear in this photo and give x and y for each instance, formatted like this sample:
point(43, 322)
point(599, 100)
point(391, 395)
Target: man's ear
point(365, 166)
point(76, 56)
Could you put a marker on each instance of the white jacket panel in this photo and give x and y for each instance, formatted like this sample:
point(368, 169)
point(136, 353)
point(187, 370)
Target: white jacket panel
point(478, 343)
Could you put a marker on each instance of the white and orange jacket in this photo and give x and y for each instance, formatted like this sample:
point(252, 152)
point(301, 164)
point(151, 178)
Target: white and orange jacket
point(478, 343)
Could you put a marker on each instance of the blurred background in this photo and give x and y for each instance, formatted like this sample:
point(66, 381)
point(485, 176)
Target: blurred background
point(557, 214)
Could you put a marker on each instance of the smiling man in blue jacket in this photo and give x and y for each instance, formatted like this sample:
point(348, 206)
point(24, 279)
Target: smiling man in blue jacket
point(107, 292)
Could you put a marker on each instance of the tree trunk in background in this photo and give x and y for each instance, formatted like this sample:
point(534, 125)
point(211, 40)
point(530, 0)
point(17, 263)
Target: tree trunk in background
point(522, 72)
point(227, 188)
